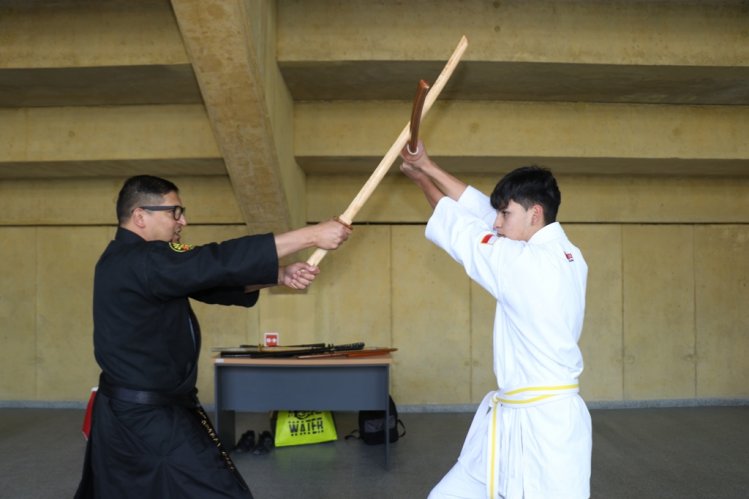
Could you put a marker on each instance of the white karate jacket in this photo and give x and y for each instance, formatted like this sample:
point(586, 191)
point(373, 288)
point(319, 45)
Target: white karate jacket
point(540, 444)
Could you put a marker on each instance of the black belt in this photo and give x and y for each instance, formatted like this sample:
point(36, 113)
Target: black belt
point(146, 396)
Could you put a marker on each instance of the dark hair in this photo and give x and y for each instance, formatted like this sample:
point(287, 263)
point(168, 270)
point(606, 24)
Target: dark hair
point(141, 190)
point(527, 186)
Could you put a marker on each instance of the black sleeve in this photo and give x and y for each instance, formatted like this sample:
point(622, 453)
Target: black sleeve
point(227, 296)
point(176, 270)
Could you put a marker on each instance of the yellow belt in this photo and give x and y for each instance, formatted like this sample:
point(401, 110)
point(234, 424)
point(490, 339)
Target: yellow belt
point(531, 394)
point(519, 398)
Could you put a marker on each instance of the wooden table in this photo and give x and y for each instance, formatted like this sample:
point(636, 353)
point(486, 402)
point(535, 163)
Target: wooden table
point(331, 384)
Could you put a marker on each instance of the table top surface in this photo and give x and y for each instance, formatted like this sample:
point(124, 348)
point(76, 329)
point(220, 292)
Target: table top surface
point(373, 360)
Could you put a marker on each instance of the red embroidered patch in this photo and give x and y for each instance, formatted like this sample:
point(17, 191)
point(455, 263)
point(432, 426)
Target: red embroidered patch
point(488, 239)
point(569, 257)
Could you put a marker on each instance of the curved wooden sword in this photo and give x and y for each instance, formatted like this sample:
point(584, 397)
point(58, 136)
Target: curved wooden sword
point(421, 94)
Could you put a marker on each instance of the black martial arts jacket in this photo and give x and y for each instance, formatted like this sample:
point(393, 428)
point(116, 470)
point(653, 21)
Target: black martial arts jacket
point(146, 338)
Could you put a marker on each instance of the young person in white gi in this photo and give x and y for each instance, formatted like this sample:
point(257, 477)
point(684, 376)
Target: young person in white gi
point(531, 438)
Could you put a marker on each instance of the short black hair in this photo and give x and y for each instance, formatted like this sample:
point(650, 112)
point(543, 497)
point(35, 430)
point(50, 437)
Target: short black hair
point(141, 190)
point(529, 185)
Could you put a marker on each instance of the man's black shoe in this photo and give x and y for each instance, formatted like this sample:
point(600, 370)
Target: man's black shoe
point(246, 442)
point(265, 443)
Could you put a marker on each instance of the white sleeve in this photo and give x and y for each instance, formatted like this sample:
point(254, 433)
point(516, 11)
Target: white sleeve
point(479, 204)
point(469, 241)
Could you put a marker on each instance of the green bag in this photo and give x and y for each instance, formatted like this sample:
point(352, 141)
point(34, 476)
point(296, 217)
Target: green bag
point(304, 427)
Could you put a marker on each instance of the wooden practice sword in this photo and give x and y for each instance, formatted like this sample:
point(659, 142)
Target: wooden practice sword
point(421, 94)
point(374, 180)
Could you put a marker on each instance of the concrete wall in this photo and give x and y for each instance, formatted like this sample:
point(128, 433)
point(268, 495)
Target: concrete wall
point(666, 315)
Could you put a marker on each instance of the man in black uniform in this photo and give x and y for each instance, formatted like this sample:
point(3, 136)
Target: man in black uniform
point(150, 438)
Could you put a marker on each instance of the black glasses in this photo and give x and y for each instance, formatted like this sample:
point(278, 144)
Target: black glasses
point(177, 210)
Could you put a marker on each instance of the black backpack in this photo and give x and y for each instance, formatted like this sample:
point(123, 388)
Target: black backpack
point(372, 426)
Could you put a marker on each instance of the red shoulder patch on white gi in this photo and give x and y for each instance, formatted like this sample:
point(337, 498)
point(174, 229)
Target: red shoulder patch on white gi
point(488, 239)
point(569, 256)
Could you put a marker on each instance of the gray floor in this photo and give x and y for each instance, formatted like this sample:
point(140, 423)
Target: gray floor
point(637, 453)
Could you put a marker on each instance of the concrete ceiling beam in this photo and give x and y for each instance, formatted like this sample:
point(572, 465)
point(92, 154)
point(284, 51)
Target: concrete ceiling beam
point(115, 52)
point(347, 136)
point(520, 81)
point(71, 33)
point(671, 33)
point(102, 133)
point(675, 52)
point(99, 86)
point(224, 52)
